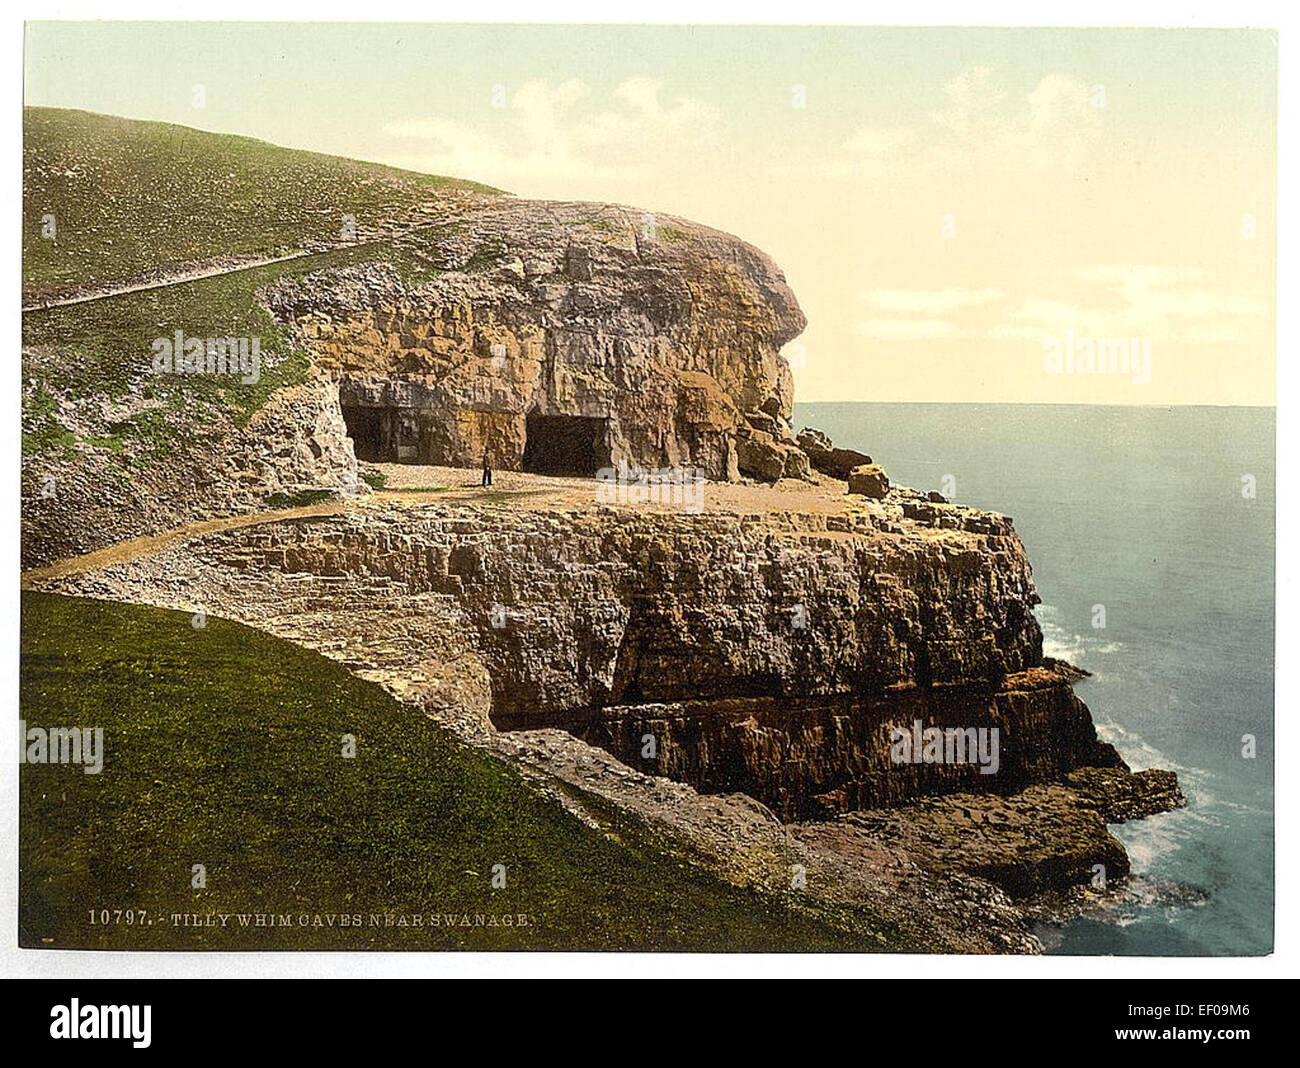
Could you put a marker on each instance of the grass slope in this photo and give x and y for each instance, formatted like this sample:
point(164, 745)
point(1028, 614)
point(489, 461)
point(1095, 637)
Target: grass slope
point(129, 197)
point(103, 350)
point(223, 748)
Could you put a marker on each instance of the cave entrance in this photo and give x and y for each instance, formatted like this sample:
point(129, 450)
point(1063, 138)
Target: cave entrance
point(565, 445)
point(366, 429)
point(385, 434)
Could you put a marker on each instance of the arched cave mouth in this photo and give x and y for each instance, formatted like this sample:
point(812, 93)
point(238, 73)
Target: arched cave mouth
point(572, 445)
point(565, 445)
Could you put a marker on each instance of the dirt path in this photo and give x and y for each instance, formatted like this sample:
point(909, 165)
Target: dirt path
point(215, 268)
point(434, 484)
point(419, 485)
point(172, 280)
point(125, 551)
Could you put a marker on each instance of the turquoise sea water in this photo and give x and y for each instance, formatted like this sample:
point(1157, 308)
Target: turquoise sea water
point(1139, 510)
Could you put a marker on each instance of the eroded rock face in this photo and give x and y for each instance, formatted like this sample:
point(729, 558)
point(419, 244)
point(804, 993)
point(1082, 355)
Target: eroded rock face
point(774, 655)
point(555, 337)
point(559, 338)
point(1047, 836)
point(815, 758)
point(297, 443)
point(770, 654)
point(826, 457)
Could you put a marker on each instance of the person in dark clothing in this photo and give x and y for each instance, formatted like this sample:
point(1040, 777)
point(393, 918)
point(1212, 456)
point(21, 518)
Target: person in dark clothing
point(487, 469)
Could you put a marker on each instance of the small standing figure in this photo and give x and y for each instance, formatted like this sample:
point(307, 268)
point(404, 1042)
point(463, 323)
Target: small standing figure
point(487, 469)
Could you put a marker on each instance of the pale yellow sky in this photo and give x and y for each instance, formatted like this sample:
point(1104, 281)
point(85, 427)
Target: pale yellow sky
point(950, 206)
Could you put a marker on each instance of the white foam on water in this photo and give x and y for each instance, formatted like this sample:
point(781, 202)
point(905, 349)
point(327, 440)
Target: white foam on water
point(1147, 841)
point(1063, 644)
point(1151, 839)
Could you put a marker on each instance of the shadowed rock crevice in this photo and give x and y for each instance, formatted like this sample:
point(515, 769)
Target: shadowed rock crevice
point(815, 757)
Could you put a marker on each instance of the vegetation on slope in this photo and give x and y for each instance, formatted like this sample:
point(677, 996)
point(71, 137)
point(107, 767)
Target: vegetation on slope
point(97, 351)
point(130, 198)
point(102, 351)
point(223, 747)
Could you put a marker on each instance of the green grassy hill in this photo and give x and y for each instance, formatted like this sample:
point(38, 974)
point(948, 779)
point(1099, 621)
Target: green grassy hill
point(89, 352)
point(223, 747)
point(131, 197)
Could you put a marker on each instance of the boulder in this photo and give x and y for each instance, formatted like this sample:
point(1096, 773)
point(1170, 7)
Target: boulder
point(759, 456)
point(869, 480)
point(796, 463)
point(825, 457)
point(814, 442)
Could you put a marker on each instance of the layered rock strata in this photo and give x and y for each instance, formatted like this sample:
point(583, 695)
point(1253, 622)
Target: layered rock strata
point(741, 675)
point(559, 338)
point(775, 655)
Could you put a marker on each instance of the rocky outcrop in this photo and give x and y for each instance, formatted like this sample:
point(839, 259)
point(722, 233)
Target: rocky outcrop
point(1118, 795)
point(869, 480)
point(82, 501)
point(1046, 837)
point(741, 675)
point(826, 457)
point(559, 338)
point(762, 456)
point(812, 758)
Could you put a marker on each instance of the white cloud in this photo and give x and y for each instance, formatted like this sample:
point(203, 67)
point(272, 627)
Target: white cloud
point(1137, 300)
point(930, 301)
point(556, 133)
point(974, 102)
point(934, 305)
point(1101, 300)
point(909, 330)
point(642, 95)
point(980, 125)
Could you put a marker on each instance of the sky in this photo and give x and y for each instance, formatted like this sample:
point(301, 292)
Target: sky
point(965, 215)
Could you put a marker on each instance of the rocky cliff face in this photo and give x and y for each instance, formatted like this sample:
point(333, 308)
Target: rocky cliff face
point(77, 503)
point(559, 338)
point(739, 675)
point(750, 648)
point(552, 337)
point(773, 654)
point(816, 758)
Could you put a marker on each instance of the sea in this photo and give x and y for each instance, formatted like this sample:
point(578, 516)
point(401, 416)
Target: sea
point(1151, 533)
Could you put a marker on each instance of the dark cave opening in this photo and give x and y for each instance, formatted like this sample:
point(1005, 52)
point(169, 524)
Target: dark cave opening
point(565, 445)
point(385, 434)
point(366, 429)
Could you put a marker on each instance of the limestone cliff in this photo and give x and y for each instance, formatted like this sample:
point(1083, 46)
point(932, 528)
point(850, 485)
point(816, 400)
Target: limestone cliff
point(551, 337)
point(559, 338)
point(768, 646)
point(770, 653)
